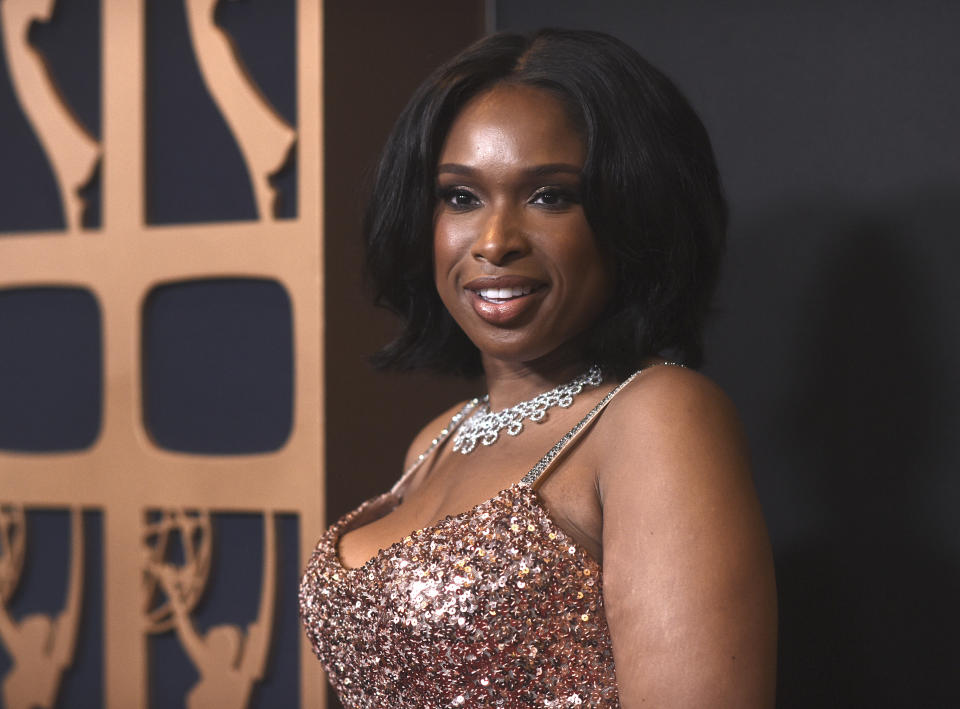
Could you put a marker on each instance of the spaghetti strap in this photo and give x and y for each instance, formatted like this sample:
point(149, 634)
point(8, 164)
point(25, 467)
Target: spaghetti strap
point(457, 419)
point(537, 472)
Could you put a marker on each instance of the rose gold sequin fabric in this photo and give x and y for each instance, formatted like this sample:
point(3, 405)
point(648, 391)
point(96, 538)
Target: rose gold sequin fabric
point(495, 607)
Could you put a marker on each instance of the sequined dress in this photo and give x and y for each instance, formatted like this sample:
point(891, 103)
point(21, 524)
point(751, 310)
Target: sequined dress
point(494, 607)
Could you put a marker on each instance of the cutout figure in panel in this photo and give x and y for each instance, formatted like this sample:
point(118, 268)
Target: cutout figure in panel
point(72, 152)
point(264, 138)
point(193, 531)
point(42, 647)
point(228, 661)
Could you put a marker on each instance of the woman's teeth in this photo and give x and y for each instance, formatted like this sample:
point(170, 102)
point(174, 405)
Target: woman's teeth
point(502, 294)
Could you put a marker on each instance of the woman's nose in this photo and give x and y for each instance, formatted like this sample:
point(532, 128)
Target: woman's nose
point(501, 239)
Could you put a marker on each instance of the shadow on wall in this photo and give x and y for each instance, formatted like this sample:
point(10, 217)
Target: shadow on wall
point(852, 409)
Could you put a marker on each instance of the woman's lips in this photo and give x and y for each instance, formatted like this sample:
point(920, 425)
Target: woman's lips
point(500, 301)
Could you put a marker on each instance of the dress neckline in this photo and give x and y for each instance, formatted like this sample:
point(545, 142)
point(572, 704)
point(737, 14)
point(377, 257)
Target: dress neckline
point(528, 482)
point(336, 532)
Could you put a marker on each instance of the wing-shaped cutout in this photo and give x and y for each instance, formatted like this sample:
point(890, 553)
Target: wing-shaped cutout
point(264, 138)
point(73, 153)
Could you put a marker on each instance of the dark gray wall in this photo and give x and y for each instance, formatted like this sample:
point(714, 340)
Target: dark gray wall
point(835, 125)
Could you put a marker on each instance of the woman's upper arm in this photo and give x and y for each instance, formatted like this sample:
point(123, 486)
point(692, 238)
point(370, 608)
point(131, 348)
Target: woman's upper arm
point(688, 575)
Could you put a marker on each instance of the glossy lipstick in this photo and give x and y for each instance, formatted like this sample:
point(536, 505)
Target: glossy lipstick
point(501, 300)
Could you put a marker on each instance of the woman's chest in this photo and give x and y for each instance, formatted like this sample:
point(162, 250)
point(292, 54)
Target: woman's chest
point(498, 587)
point(568, 496)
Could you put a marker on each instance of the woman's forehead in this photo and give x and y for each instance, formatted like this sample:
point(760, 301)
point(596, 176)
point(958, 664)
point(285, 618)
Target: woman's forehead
point(513, 124)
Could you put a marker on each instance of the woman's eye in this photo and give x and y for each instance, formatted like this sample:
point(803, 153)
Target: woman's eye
point(553, 197)
point(458, 198)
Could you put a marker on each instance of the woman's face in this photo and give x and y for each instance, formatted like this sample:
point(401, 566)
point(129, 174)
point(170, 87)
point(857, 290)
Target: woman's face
point(515, 261)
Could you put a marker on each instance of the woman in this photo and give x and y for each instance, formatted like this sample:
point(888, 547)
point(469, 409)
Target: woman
point(548, 213)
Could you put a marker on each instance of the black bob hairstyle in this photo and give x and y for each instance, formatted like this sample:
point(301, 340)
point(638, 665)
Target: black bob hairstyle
point(650, 190)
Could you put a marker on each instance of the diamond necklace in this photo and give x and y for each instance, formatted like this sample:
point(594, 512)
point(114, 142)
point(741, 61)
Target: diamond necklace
point(484, 426)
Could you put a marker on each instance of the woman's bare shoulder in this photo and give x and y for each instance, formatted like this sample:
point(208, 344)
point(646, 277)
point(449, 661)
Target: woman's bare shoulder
point(669, 389)
point(671, 408)
point(424, 438)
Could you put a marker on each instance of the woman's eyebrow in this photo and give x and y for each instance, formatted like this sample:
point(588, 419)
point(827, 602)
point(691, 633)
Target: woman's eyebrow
point(555, 168)
point(536, 170)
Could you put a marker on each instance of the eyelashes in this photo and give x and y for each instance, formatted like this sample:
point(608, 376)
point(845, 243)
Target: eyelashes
point(554, 198)
point(457, 198)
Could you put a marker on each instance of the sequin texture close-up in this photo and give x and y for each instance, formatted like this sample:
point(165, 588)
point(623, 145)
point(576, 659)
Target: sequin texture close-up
point(493, 607)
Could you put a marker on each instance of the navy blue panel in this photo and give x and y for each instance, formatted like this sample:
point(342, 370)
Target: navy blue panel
point(265, 35)
point(281, 686)
point(218, 366)
point(70, 45)
point(170, 672)
point(43, 581)
point(43, 588)
point(50, 369)
point(232, 597)
point(82, 684)
point(194, 169)
point(29, 196)
point(233, 591)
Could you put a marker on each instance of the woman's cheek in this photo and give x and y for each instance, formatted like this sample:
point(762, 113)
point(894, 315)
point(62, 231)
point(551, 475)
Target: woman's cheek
point(451, 243)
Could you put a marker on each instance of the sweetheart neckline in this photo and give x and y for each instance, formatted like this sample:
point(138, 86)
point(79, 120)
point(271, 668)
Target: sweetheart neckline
point(336, 531)
point(524, 483)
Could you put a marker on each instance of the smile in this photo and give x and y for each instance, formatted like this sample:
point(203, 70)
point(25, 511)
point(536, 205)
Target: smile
point(506, 300)
point(502, 295)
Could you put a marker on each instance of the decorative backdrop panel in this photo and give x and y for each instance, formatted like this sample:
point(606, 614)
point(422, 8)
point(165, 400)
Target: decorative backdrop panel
point(161, 390)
